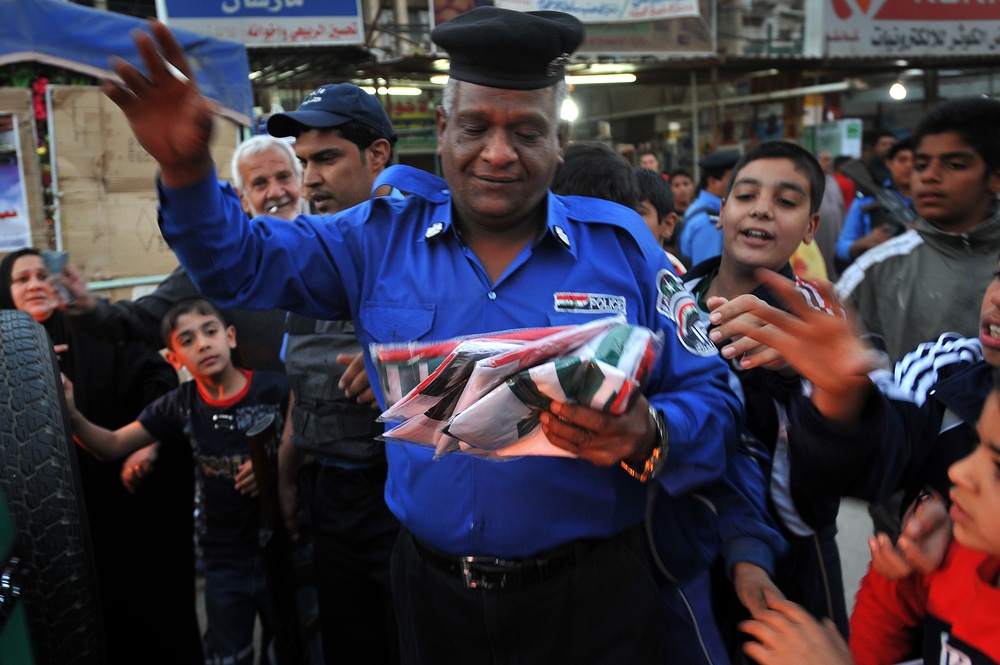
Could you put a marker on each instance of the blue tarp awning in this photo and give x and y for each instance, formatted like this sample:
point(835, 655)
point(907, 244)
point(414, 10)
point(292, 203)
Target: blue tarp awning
point(82, 39)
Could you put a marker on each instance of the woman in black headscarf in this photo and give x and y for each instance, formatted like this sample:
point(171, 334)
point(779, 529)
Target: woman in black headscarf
point(142, 542)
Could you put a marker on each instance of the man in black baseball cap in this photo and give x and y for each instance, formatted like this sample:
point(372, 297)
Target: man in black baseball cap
point(343, 138)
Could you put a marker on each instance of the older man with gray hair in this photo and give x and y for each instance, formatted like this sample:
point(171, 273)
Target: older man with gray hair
point(268, 177)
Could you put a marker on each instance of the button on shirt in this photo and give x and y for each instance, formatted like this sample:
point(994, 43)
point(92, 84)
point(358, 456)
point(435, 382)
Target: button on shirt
point(398, 268)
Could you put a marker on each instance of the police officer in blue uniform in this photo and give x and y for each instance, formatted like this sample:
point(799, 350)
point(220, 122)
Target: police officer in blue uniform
point(700, 237)
point(540, 559)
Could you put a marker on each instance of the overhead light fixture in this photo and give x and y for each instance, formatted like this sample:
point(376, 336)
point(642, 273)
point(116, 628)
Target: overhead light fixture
point(591, 79)
point(611, 67)
point(393, 91)
point(441, 64)
point(256, 75)
point(570, 111)
point(897, 91)
point(580, 79)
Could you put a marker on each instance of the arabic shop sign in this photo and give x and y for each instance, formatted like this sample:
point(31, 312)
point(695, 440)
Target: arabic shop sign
point(911, 27)
point(609, 11)
point(269, 22)
point(619, 27)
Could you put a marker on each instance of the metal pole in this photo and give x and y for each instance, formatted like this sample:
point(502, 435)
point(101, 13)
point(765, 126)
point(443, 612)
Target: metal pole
point(715, 106)
point(695, 141)
point(54, 165)
point(126, 282)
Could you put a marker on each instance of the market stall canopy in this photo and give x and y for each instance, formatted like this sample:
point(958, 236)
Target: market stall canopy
point(82, 39)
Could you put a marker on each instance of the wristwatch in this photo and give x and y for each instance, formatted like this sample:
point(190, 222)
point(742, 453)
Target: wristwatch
point(658, 458)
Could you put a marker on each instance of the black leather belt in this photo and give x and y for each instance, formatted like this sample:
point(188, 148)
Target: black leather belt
point(373, 474)
point(494, 574)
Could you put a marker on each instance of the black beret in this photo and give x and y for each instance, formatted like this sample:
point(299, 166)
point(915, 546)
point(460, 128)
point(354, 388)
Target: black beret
point(722, 160)
point(503, 48)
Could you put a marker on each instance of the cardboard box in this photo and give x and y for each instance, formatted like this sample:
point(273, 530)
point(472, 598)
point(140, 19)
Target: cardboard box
point(106, 186)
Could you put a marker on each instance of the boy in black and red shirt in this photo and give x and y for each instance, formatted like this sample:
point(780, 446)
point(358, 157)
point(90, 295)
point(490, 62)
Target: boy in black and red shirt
point(214, 410)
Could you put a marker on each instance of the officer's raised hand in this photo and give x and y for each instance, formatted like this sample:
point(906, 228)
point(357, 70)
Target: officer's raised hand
point(171, 119)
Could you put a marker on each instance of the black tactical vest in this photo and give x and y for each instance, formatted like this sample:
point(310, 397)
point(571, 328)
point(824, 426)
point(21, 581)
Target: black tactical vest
point(325, 422)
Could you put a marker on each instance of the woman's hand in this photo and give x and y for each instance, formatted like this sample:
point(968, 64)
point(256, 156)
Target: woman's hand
point(76, 284)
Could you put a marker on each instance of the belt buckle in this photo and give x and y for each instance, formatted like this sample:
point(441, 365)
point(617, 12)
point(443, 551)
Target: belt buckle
point(476, 579)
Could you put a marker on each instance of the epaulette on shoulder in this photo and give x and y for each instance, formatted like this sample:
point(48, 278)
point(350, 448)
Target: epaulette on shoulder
point(413, 182)
point(595, 211)
point(589, 210)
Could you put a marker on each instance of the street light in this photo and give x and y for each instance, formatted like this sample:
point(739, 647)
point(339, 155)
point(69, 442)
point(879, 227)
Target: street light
point(897, 91)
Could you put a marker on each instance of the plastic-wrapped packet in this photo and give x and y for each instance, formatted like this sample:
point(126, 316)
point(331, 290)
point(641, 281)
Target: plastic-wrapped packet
point(491, 406)
point(493, 371)
point(406, 370)
point(446, 381)
point(448, 391)
point(606, 373)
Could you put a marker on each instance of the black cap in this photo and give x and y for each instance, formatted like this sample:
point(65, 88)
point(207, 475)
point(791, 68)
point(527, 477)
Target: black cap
point(721, 160)
point(503, 48)
point(905, 143)
point(330, 106)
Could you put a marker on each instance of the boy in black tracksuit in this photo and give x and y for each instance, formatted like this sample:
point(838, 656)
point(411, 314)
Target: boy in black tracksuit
point(771, 206)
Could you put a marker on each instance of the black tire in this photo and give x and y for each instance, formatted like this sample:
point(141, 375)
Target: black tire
point(41, 483)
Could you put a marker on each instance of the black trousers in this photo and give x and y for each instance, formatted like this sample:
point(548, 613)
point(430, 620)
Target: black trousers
point(602, 610)
point(353, 537)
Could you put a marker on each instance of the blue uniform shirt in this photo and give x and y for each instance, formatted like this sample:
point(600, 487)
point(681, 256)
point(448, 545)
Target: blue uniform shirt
point(398, 268)
point(700, 240)
point(858, 222)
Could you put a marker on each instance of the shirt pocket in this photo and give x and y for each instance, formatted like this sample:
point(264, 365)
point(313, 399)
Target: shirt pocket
point(390, 323)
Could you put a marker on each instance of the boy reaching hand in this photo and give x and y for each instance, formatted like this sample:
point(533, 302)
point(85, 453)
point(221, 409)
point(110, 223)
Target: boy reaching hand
point(214, 411)
point(958, 605)
point(771, 206)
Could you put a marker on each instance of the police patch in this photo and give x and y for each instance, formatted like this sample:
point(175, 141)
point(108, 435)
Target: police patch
point(675, 302)
point(589, 303)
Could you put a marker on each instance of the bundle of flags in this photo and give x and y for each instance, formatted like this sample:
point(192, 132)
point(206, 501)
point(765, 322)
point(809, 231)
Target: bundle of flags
point(484, 394)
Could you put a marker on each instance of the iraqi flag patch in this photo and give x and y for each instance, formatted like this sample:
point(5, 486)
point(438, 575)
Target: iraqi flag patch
point(589, 303)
